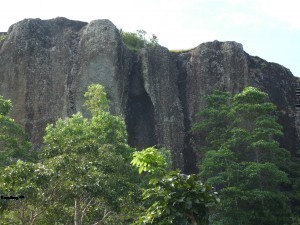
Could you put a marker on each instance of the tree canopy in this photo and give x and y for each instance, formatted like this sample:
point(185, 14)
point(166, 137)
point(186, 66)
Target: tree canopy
point(172, 197)
point(243, 159)
point(14, 142)
point(85, 176)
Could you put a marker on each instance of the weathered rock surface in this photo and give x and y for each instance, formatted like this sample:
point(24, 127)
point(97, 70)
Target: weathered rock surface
point(46, 66)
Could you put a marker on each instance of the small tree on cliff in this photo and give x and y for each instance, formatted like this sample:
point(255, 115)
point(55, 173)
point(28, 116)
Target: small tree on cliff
point(137, 40)
point(246, 166)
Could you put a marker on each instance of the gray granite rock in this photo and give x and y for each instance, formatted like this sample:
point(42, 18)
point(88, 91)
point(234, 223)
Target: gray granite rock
point(46, 66)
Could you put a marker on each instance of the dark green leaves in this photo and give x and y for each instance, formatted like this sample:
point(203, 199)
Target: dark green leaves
point(174, 198)
point(14, 143)
point(85, 176)
point(243, 160)
point(178, 199)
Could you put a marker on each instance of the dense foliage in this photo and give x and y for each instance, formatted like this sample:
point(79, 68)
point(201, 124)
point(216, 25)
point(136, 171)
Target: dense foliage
point(14, 143)
point(30, 180)
point(85, 176)
point(149, 160)
point(178, 199)
point(243, 159)
point(175, 198)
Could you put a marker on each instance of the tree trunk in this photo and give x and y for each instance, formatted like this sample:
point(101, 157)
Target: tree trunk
point(77, 216)
point(193, 220)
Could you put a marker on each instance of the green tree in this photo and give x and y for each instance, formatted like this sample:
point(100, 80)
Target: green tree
point(86, 176)
point(91, 158)
point(215, 121)
point(30, 180)
point(96, 99)
point(14, 143)
point(294, 172)
point(153, 41)
point(173, 198)
point(150, 160)
point(243, 159)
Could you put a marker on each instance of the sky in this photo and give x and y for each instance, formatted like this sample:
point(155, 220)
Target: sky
point(269, 29)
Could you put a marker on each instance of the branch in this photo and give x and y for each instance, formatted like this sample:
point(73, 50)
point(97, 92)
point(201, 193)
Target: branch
point(106, 214)
point(84, 209)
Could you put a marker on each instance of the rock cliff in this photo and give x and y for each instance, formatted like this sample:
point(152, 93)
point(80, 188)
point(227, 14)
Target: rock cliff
point(46, 66)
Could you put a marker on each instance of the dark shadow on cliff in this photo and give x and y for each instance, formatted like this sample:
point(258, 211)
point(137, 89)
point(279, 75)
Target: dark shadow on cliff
point(190, 158)
point(139, 111)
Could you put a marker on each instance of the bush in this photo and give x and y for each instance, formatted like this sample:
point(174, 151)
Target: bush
point(137, 40)
point(2, 37)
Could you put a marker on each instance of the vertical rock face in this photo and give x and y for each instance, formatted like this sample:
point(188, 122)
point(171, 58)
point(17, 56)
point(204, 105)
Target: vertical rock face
point(213, 66)
point(280, 84)
point(297, 119)
point(159, 74)
point(35, 59)
point(46, 66)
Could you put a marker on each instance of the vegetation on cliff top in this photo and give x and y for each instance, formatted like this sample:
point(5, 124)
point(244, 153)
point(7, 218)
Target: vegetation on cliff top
point(2, 37)
point(137, 40)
